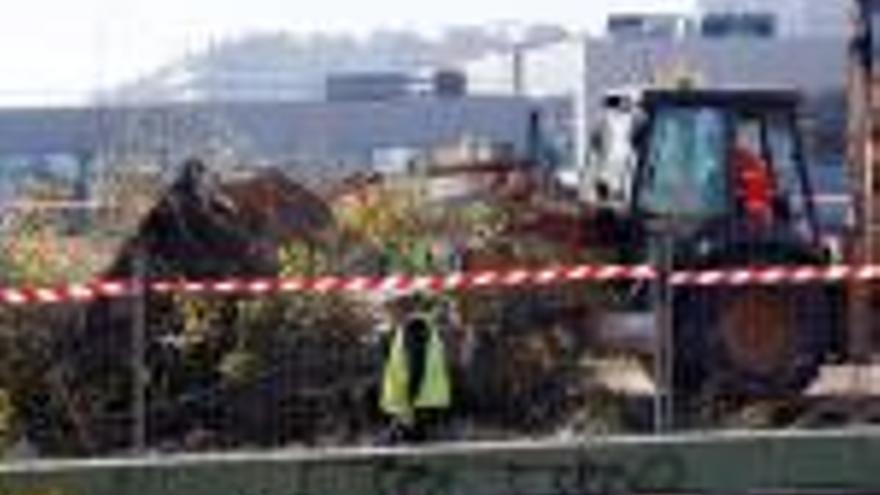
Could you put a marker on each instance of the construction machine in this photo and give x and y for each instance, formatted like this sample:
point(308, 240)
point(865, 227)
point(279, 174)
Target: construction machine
point(718, 178)
point(714, 179)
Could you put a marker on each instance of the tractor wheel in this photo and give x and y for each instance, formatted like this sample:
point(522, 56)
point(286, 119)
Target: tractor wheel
point(754, 341)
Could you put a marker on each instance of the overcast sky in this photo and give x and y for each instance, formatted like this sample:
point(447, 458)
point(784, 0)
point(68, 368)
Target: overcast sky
point(55, 49)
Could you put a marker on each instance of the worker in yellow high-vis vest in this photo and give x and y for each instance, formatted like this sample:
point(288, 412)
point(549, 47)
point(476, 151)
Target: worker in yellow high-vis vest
point(416, 384)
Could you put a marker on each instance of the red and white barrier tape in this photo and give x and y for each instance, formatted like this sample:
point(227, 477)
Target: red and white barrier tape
point(515, 278)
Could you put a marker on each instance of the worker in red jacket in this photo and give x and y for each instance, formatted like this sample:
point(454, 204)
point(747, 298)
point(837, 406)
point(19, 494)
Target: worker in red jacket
point(754, 185)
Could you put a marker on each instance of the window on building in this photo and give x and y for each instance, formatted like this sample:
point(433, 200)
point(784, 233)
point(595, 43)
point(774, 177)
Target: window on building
point(752, 25)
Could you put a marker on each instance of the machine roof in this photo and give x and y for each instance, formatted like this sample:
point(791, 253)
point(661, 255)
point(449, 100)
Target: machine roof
point(732, 97)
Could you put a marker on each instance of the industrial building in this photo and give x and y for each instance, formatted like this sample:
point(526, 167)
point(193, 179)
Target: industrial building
point(308, 137)
point(501, 99)
point(583, 70)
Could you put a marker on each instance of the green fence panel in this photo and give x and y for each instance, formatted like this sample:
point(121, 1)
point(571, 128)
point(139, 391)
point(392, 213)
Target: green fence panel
point(732, 464)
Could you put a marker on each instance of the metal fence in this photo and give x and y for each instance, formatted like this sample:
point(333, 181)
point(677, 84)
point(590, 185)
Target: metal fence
point(253, 313)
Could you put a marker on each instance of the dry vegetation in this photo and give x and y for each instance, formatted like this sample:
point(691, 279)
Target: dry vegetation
point(226, 372)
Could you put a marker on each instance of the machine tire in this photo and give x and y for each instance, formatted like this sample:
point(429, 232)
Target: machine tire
point(753, 341)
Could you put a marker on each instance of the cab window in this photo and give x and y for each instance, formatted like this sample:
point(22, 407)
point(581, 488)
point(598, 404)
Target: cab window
point(684, 173)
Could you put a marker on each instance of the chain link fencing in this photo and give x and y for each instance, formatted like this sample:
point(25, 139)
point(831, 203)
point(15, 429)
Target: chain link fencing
point(180, 362)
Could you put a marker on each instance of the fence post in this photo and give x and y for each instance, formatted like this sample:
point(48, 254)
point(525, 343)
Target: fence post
point(138, 350)
point(665, 345)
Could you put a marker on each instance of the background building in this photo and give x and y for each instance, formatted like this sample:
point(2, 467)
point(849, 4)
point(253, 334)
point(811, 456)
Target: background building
point(582, 70)
point(649, 26)
point(824, 18)
point(346, 119)
point(311, 139)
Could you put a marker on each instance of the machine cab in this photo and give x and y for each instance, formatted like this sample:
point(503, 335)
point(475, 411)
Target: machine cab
point(723, 157)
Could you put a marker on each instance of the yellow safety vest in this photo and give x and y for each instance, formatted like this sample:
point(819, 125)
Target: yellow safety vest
point(435, 390)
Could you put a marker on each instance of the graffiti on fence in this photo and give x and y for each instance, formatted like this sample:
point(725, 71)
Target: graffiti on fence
point(582, 475)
